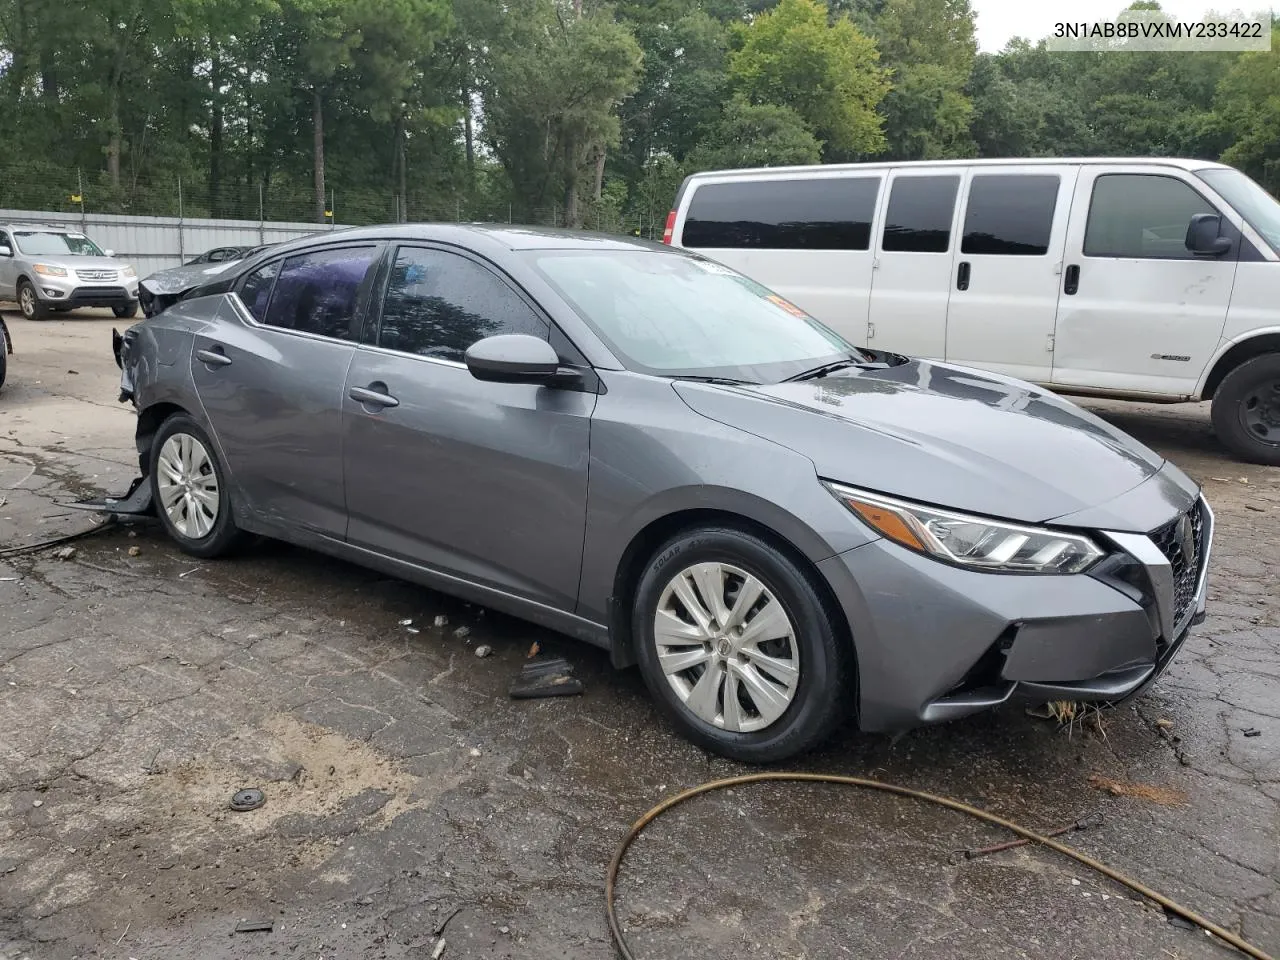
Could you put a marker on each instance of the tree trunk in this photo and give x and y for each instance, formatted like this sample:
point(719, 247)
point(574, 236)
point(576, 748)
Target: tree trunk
point(571, 182)
point(215, 139)
point(468, 122)
point(317, 119)
point(400, 172)
point(599, 189)
point(113, 142)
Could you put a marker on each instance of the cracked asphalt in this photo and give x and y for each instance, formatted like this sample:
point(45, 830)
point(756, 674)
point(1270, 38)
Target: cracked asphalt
point(408, 799)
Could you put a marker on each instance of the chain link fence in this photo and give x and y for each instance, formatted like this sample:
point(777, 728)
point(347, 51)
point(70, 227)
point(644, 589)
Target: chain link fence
point(69, 192)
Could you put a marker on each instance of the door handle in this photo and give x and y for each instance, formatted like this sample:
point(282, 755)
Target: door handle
point(1071, 281)
point(374, 395)
point(213, 358)
point(962, 276)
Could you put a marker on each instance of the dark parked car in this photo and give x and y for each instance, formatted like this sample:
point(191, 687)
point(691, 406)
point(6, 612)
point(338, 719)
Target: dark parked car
point(164, 287)
point(642, 448)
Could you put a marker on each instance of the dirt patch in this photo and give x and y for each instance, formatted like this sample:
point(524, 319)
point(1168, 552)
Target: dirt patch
point(1165, 796)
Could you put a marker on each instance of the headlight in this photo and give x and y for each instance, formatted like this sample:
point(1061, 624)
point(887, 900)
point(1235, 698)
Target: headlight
point(969, 541)
point(128, 273)
point(46, 270)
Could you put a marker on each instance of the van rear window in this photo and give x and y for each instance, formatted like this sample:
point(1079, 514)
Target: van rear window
point(831, 213)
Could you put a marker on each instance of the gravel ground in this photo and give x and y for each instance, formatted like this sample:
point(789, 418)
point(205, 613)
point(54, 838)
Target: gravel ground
point(408, 799)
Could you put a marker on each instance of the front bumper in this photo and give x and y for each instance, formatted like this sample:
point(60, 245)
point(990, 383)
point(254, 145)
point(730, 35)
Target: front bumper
point(71, 291)
point(937, 642)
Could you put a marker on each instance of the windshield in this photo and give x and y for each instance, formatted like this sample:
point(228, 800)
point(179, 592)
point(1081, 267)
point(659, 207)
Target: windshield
point(676, 315)
point(1253, 203)
point(42, 243)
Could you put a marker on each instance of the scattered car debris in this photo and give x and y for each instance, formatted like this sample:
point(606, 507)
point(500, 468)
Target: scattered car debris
point(475, 751)
point(444, 921)
point(407, 622)
point(462, 632)
point(136, 501)
point(1084, 823)
point(1255, 508)
point(66, 553)
point(37, 803)
point(248, 799)
point(1252, 732)
point(533, 649)
point(256, 926)
point(483, 650)
point(135, 551)
point(545, 678)
point(438, 952)
point(1164, 796)
point(412, 630)
point(440, 621)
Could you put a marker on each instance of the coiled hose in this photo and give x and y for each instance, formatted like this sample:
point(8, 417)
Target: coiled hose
point(611, 879)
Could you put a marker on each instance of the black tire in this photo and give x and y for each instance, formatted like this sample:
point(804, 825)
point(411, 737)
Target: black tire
point(125, 312)
point(1246, 410)
point(825, 691)
point(29, 302)
point(4, 357)
point(223, 537)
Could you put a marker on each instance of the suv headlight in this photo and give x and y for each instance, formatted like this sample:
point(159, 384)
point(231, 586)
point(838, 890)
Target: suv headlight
point(47, 270)
point(128, 273)
point(979, 543)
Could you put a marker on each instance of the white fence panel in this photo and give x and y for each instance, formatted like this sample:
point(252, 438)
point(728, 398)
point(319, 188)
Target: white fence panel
point(158, 243)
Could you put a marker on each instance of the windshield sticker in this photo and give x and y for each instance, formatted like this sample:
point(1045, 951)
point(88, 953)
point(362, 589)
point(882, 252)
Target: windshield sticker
point(717, 268)
point(786, 305)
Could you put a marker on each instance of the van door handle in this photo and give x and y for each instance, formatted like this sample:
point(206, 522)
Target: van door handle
point(962, 276)
point(374, 395)
point(1071, 282)
point(213, 358)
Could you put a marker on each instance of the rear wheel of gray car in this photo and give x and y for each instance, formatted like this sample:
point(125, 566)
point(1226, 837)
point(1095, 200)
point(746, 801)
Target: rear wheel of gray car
point(125, 312)
point(32, 307)
point(189, 489)
point(1246, 410)
point(739, 646)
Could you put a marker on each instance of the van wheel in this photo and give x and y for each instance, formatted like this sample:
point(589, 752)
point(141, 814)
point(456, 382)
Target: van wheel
point(738, 647)
point(1246, 410)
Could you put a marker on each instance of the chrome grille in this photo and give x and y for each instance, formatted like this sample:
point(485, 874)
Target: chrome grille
point(96, 276)
point(1181, 540)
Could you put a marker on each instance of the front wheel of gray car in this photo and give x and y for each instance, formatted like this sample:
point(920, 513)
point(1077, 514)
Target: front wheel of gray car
point(29, 302)
point(739, 646)
point(189, 490)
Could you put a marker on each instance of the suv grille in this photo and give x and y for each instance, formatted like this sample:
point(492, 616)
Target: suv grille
point(1181, 540)
point(96, 276)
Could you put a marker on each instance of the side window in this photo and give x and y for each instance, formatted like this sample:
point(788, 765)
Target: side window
point(1141, 215)
point(317, 292)
point(919, 216)
point(4, 240)
point(828, 213)
point(1010, 214)
point(438, 304)
point(255, 289)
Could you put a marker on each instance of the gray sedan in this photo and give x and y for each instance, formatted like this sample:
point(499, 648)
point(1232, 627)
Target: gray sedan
point(644, 449)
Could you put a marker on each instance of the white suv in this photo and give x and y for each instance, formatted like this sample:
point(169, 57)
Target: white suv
point(54, 269)
point(1143, 279)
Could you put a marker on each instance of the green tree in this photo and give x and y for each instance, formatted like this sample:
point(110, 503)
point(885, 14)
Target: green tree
point(755, 135)
point(828, 72)
point(1248, 100)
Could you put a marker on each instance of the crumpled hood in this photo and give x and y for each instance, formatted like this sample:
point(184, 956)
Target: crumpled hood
point(178, 279)
point(940, 434)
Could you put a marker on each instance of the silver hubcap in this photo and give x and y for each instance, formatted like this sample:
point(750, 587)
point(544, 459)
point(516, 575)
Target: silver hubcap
point(727, 647)
point(187, 485)
point(28, 301)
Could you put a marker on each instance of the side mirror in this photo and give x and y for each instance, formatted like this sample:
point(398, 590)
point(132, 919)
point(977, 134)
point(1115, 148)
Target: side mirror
point(108, 253)
point(6, 252)
point(1203, 236)
point(513, 358)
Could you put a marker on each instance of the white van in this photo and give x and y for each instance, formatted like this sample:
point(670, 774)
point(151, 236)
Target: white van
point(1145, 279)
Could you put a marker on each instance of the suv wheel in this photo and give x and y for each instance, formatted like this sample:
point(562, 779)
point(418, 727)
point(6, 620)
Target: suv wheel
point(188, 486)
point(737, 646)
point(1246, 410)
point(32, 307)
point(127, 311)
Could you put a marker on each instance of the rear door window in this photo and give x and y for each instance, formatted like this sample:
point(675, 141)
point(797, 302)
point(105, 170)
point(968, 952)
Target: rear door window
point(318, 292)
point(1010, 214)
point(828, 213)
point(920, 213)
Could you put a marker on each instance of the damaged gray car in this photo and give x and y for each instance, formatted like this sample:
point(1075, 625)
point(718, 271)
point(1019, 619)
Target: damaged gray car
point(159, 290)
point(641, 448)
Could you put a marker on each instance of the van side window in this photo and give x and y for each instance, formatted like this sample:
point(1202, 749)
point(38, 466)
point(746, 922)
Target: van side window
point(828, 213)
point(1141, 215)
point(920, 214)
point(1010, 214)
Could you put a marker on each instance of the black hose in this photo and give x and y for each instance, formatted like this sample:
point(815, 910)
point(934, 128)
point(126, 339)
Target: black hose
point(611, 878)
point(57, 541)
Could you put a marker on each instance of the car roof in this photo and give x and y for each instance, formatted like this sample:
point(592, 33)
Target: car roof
point(873, 165)
point(44, 227)
point(506, 236)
